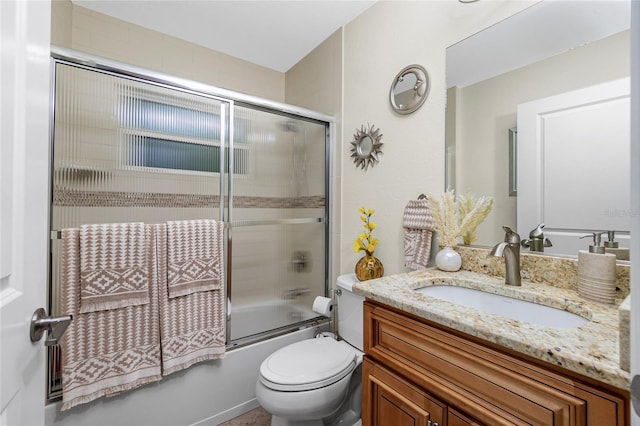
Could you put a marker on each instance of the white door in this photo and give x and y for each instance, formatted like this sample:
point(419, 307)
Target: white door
point(570, 176)
point(24, 163)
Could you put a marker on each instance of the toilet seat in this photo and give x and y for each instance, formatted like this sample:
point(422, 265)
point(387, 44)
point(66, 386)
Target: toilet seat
point(308, 364)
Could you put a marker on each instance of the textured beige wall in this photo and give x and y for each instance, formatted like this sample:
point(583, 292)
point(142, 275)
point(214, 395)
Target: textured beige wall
point(104, 36)
point(61, 23)
point(377, 45)
point(488, 109)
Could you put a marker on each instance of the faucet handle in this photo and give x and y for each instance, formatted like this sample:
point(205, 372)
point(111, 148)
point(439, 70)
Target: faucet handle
point(510, 236)
point(537, 232)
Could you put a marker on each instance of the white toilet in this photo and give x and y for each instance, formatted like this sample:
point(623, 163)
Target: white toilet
point(318, 382)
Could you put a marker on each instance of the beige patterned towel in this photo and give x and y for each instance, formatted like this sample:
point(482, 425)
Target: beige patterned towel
point(108, 351)
point(418, 226)
point(113, 266)
point(192, 327)
point(194, 256)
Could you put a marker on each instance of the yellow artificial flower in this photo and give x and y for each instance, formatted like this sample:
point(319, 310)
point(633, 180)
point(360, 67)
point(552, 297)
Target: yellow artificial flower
point(365, 241)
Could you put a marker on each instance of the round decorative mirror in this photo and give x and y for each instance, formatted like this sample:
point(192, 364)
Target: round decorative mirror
point(366, 146)
point(409, 89)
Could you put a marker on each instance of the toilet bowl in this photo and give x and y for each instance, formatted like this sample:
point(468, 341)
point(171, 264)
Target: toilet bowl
point(317, 382)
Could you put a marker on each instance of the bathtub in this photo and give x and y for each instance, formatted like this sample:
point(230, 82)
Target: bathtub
point(252, 319)
point(206, 394)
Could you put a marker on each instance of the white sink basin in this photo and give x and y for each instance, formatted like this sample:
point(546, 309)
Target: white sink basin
point(508, 307)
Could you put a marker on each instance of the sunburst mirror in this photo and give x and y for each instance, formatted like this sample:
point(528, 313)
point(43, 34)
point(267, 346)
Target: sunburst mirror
point(366, 146)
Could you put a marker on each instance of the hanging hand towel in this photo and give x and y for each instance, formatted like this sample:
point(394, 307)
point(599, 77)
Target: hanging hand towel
point(194, 256)
point(192, 327)
point(113, 269)
point(108, 351)
point(418, 226)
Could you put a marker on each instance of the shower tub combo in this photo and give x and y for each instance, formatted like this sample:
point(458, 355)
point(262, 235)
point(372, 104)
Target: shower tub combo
point(130, 145)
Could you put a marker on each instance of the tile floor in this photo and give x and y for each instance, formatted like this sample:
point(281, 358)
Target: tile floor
point(256, 417)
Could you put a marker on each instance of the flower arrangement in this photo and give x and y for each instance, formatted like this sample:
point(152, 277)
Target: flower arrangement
point(365, 241)
point(454, 221)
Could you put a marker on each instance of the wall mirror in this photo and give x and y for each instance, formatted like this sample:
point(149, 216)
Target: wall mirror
point(590, 47)
point(366, 146)
point(409, 89)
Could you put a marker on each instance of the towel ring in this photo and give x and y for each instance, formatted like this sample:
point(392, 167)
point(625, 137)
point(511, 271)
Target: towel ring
point(422, 197)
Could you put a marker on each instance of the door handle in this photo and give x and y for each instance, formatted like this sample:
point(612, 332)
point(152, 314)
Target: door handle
point(54, 326)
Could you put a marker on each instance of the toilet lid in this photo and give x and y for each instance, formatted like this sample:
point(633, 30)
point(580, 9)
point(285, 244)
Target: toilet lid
point(308, 364)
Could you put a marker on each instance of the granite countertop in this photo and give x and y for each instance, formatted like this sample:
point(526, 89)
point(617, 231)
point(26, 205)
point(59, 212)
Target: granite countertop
point(591, 349)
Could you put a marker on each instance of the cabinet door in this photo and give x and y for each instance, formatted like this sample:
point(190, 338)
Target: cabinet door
point(388, 400)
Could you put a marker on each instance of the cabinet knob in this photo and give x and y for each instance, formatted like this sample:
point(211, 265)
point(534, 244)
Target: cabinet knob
point(430, 423)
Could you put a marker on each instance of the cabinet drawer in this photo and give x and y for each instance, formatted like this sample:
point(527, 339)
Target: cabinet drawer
point(494, 387)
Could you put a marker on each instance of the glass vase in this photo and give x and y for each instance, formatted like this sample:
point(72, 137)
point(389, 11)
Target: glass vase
point(448, 260)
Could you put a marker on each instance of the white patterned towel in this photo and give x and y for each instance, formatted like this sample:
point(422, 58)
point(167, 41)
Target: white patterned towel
point(113, 266)
point(418, 226)
point(194, 256)
point(107, 351)
point(192, 327)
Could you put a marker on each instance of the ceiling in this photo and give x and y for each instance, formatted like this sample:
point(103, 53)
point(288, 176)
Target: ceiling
point(271, 33)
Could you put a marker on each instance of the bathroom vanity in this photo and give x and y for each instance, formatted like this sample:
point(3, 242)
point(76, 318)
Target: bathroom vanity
point(429, 361)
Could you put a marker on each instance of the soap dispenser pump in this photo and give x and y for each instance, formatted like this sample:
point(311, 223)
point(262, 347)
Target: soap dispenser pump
point(596, 272)
point(595, 247)
point(612, 246)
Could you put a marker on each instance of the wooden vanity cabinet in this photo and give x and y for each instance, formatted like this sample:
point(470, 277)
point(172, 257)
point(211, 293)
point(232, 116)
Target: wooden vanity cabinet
point(420, 373)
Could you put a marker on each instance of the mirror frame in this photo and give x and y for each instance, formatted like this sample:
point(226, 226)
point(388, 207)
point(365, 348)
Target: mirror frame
point(420, 89)
point(361, 158)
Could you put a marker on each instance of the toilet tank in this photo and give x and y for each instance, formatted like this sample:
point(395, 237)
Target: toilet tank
point(350, 311)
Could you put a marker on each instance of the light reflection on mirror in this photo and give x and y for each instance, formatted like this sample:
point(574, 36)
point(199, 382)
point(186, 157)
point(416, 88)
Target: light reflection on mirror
point(365, 147)
point(482, 105)
point(409, 89)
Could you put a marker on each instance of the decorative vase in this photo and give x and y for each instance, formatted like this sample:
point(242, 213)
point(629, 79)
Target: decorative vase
point(369, 267)
point(448, 259)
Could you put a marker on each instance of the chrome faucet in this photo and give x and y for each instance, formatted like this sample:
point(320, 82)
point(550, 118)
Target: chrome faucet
point(510, 250)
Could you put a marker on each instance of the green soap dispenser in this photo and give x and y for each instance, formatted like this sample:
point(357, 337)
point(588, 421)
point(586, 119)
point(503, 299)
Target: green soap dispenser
point(597, 272)
point(611, 246)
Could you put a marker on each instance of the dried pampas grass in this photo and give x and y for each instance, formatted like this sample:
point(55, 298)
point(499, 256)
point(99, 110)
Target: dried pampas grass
point(454, 221)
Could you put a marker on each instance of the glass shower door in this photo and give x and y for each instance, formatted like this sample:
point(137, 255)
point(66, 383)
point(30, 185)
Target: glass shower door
point(129, 150)
point(278, 228)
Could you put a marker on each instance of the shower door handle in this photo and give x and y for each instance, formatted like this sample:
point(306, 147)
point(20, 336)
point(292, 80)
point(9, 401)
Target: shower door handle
point(55, 326)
